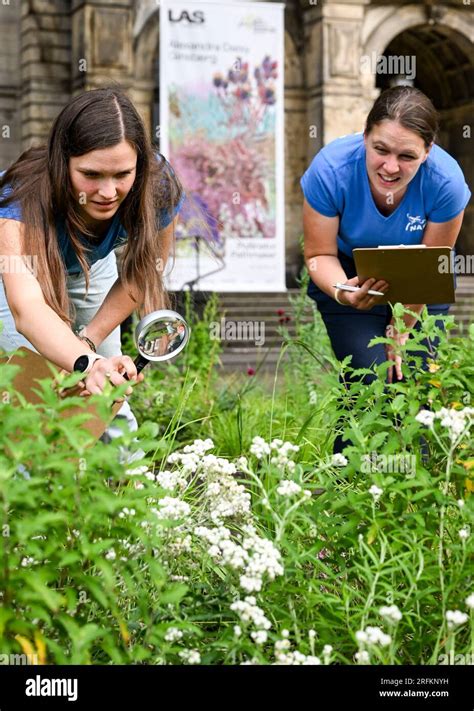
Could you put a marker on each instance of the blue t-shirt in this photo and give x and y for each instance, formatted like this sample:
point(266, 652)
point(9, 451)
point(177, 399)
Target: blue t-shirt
point(116, 234)
point(336, 183)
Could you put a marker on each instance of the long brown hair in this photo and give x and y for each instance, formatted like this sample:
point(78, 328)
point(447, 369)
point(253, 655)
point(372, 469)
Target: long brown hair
point(40, 182)
point(410, 107)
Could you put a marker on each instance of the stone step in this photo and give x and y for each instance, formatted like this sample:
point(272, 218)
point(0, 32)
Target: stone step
point(465, 286)
point(263, 306)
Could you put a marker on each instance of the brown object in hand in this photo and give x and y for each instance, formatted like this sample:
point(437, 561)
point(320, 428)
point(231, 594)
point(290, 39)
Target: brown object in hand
point(33, 368)
point(415, 273)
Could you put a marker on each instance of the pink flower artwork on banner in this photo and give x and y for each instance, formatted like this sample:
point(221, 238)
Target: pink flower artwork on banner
point(222, 145)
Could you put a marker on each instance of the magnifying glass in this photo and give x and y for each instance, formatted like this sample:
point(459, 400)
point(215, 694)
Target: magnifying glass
point(159, 336)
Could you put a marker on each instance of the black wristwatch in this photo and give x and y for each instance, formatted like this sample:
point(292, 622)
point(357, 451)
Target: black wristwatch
point(84, 363)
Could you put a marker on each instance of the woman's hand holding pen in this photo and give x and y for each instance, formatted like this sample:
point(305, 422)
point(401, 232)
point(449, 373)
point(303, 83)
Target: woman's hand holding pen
point(361, 299)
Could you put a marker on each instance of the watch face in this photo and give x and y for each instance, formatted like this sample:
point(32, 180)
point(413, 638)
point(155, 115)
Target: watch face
point(81, 363)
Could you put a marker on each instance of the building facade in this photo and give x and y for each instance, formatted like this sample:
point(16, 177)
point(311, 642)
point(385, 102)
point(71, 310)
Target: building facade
point(52, 49)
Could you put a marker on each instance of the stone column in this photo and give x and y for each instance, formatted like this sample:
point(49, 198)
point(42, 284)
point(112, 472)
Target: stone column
point(296, 131)
point(101, 43)
point(338, 100)
point(145, 62)
point(10, 125)
point(45, 65)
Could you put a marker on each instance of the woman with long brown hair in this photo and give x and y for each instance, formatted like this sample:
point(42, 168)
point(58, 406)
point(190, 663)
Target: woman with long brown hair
point(64, 208)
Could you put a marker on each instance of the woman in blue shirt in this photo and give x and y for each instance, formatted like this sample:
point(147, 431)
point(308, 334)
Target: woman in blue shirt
point(64, 208)
point(391, 185)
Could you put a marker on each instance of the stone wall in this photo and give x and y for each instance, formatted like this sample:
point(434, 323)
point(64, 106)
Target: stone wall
point(52, 49)
point(296, 132)
point(45, 61)
point(10, 123)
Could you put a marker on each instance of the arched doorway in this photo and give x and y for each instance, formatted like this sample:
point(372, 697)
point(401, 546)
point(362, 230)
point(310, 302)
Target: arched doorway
point(445, 72)
point(439, 38)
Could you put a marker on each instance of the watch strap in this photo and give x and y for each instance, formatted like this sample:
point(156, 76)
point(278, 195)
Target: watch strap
point(92, 357)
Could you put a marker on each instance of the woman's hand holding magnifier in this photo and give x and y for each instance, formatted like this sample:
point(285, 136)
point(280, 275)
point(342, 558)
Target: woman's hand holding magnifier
point(361, 299)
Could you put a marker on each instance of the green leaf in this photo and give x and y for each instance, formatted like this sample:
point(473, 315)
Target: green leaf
point(52, 599)
point(377, 440)
point(173, 593)
point(398, 403)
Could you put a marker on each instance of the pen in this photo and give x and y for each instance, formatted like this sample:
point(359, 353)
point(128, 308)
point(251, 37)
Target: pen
point(347, 287)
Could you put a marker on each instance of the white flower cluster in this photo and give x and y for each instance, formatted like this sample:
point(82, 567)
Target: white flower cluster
point(264, 559)
point(127, 512)
point(224, 496)
point(173, 634)
point(391, 613)
point(179, 544)
point(172, 509)
point(138, 471)
point(284, 655)
point(470, 601)
point(227, 498)
point(193, 459)
point(190, 457)
point(199, 447)
point(457, 422)
point(280, 450)
point(373, 635)
point(259, 636)
point(27, 560)
point(222, 548)
point(256, 556)
point(426, 417)
point(250, 612)
point(217, 465)
point(376, 492)
point(288, 488)
point(338, 460)
point(362, 657)
point(283, 451)
point(190, 656)
point(188, 462)
point(456, 618)
point(170, 480)
point(464, 533)
point(295, 658)
point(259, 448)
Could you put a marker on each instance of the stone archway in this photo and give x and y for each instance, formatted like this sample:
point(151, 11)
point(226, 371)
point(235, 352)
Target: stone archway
point(444, 71)
point(146, 38)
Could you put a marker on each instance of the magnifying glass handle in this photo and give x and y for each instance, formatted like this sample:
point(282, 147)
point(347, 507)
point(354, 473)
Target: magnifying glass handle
point(140, 363)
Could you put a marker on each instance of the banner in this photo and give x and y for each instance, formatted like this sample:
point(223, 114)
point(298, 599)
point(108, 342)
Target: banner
point(221, 127)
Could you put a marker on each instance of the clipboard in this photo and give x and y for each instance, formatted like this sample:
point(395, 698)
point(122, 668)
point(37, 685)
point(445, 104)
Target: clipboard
point(415, 273)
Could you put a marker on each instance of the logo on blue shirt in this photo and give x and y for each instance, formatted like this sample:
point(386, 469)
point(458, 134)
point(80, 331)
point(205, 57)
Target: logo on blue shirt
point(415, 223)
